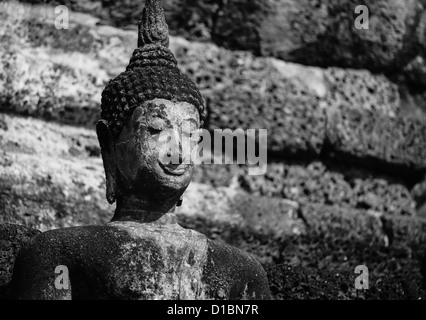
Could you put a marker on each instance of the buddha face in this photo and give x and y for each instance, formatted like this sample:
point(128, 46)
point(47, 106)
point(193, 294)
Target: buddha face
point(150, 158)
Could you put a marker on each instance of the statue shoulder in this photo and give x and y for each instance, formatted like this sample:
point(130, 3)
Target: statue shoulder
point(236, 270)
point(34, 270)
point(45, 258)
point(56, 239)
point(48, 247)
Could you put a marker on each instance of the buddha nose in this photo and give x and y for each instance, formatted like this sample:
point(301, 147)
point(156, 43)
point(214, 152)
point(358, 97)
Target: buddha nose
point(184, 148)
point(178, 156)
point(176, 150)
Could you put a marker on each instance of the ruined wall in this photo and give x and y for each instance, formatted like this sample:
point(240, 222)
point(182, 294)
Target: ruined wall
point(345, 113)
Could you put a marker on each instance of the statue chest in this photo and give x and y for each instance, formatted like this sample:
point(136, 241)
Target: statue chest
point(158, 263)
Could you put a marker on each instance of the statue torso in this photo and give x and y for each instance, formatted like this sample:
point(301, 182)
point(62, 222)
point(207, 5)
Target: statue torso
point(130, 260)
point(159, 262)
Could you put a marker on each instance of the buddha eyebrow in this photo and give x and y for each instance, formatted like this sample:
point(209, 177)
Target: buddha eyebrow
point(158, 115)
point(191, 119)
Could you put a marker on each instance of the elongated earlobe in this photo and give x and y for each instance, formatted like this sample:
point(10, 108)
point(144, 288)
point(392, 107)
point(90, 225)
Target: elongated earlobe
point(111, 188)
point(106, 143)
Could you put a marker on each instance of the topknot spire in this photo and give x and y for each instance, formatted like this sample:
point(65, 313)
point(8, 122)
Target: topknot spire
point(153, 28)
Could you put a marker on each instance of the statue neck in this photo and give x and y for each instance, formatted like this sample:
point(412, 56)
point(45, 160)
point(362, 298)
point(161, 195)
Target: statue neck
point(133, 209)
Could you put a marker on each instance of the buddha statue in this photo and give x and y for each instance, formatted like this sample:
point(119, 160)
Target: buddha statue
point(143, 253)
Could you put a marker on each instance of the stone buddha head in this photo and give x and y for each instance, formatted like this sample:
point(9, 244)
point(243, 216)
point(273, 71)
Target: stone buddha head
point(150, 97)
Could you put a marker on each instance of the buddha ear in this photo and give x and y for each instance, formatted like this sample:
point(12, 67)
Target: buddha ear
point(107, 145)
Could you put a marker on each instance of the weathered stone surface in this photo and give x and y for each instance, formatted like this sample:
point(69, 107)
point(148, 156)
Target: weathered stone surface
point(291, 130)
point(46, 193)
point(143, 253)
point(12, 238)
point(55, 178)
point(126, 260)
point(415, 71)
point(318, 182)
point(236, 208)
point(360, 89)
point(335, 239)
point(53, 74)
point(419, 190)
point(217, 175)
point(75, 196)
point(419, 195)
point(331, 184)
point(310, 32)
point(71, 193)
point(302, 182)
point(321, 33)
point(52, 175)
point(421, 210)
point(38, 137)
point(413, 101)
point(366, 134)
point(300, 283)
point(320, 236)
point(326, 235)
point(240, 90)
point(47, 90)
point(384, 244)
point(290, 100)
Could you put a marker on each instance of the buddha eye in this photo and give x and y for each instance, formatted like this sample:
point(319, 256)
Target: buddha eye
point(157, 125)
point(154, 129)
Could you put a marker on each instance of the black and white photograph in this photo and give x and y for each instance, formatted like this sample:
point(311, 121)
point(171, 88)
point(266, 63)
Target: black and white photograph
point(215, 150)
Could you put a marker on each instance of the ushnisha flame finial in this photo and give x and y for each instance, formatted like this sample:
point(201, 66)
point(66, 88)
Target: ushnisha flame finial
point(153, 28)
